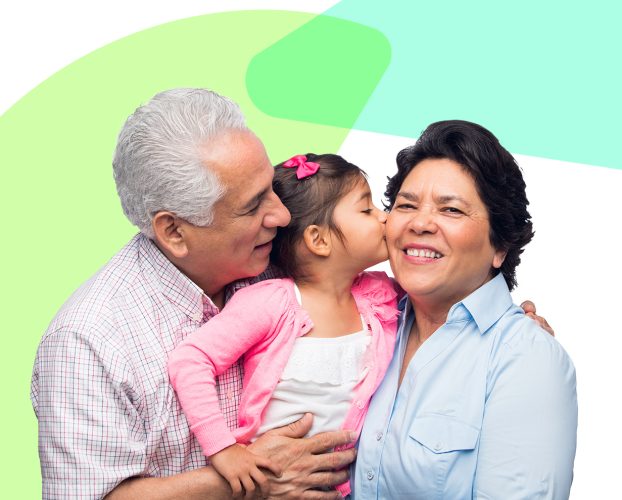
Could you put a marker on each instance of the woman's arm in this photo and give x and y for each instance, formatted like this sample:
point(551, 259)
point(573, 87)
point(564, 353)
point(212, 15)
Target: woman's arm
point(528, 435)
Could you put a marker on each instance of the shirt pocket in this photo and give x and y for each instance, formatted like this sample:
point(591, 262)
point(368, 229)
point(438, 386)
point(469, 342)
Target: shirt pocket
point(443, 434)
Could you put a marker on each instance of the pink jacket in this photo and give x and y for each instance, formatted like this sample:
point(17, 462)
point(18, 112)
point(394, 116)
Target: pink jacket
point(261, 323)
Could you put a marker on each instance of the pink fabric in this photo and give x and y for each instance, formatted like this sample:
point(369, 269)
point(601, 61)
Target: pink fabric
point(304, 168)
point(261, 323)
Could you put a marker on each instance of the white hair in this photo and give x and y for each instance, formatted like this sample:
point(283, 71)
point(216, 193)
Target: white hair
point(157, 163)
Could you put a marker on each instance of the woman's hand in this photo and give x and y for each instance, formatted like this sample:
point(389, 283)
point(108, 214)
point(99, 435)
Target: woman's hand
point(530, 310)
point(306, 463)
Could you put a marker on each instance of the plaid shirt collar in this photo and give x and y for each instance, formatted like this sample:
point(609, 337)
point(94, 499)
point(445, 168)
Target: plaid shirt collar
point(175, 285)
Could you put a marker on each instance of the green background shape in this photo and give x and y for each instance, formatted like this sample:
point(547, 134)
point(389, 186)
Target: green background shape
point(544, 76)
point(323, 72)
point(64, 220)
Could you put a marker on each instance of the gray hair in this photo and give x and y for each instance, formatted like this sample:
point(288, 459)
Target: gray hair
point(157, 163)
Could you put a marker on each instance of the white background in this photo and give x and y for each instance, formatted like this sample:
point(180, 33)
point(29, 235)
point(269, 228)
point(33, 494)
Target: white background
point(571, 269)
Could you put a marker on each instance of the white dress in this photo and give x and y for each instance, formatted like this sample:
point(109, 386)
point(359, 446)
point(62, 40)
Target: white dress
point(319, 378)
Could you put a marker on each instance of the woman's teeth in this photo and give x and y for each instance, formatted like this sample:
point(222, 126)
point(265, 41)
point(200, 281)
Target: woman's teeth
point(414, 252)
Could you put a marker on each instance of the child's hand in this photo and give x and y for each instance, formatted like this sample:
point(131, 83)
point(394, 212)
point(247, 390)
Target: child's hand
point(241, 468)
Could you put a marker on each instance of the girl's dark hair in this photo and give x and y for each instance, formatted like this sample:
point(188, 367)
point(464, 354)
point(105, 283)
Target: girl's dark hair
point(311, 200)
point(497, 177)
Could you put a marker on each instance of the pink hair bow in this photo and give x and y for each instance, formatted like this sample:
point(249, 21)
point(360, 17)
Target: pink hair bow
point(304, 168)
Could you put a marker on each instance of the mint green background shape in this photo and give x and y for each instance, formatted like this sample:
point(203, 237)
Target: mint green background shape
point(545, 77)
point(323, 72)
point(62, 216)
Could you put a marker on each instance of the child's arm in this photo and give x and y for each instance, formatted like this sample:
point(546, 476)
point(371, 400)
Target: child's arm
point(240, 468)
point(194, 365)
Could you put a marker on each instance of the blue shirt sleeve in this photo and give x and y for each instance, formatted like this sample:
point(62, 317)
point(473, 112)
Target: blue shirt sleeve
point(528, 435)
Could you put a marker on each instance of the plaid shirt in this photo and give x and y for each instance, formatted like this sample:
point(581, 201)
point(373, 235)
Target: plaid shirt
point(100, 386)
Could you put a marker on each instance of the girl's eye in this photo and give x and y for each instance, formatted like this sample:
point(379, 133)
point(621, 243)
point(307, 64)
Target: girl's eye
point(367, 210)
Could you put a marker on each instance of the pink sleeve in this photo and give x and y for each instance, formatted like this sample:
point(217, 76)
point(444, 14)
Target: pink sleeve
point(196, 362)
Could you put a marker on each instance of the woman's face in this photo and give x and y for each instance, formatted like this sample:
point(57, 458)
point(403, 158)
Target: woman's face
point(438, 234)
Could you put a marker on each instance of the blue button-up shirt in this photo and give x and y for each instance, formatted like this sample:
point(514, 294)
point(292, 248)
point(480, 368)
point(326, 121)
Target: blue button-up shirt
point(487, 409)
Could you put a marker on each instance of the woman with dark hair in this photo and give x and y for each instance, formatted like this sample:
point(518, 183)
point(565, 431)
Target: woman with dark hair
point(478, 401)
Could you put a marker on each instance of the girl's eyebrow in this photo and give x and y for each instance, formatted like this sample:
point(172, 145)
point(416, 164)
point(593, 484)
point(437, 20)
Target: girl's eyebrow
point(365, 194)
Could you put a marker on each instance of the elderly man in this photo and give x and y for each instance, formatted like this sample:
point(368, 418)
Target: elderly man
point(198, 185)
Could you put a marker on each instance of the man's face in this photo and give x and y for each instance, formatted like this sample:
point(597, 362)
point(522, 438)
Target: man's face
point(238, 243)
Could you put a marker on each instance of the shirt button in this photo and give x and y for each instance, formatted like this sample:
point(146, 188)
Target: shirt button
point(370, 475)
point(438, 446)
point(360, 405)
point(229, 395)
point(379, 436)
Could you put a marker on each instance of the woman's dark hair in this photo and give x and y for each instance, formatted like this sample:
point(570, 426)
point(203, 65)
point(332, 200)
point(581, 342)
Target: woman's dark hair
point(311, 200)
point(497, 177)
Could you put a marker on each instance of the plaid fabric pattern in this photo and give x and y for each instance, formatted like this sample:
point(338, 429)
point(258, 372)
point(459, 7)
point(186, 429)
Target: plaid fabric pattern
point(100, 387)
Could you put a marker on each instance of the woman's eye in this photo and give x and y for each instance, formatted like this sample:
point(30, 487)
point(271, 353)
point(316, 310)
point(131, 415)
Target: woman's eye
point(452, 210)
point(406, 206)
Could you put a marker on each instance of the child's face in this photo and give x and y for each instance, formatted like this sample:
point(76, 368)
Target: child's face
point(362, 225)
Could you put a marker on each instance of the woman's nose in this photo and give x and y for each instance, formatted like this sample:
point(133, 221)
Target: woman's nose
point(423, 221)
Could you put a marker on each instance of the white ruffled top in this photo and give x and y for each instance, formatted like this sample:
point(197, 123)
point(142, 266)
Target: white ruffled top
point(319, 377)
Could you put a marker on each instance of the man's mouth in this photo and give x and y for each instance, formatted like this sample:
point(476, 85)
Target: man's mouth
point(264, 245)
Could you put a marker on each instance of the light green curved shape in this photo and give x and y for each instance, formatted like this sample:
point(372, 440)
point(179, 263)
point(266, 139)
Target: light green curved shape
point(62, 216)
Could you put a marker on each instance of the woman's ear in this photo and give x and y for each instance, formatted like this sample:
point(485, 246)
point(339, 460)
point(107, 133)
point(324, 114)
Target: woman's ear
point(498, 258)
point(170, 234)
point(317, 240)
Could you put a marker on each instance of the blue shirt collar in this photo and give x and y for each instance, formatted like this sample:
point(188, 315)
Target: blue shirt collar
point(485, 305)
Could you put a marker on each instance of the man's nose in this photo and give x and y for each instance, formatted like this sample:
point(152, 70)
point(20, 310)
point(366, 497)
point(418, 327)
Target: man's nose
point(277, 215)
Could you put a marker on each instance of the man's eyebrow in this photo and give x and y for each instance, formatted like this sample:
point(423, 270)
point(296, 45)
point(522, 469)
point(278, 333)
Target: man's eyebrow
point(255, 199)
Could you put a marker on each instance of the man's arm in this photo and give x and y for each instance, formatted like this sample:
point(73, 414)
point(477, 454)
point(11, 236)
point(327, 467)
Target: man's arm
point(306, 463)
point(530, 310)
point(91, 435)
point(199, 484)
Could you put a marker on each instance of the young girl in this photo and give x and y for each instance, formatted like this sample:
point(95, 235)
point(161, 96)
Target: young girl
point(318, 341)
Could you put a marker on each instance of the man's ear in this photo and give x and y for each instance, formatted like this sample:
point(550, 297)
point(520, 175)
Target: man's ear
point(171, 234)
point(317, 240)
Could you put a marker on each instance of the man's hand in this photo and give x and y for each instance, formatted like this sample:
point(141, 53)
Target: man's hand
point(530, 310)
point(306, 463)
